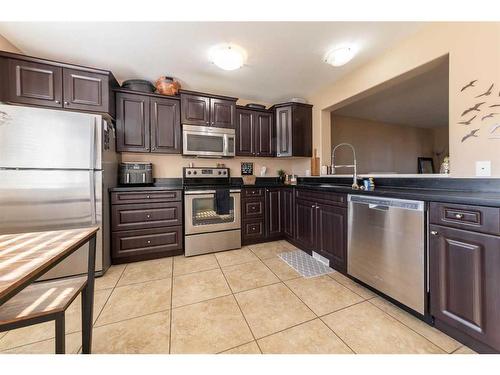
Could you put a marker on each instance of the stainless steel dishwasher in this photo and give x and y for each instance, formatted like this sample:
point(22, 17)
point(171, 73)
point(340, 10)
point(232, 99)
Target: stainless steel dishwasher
point(386, 247)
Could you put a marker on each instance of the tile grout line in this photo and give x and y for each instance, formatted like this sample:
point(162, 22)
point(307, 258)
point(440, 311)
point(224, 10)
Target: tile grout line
point(317, 316)
point(171, 308)
point(237, 346)
point(411, 329)
point(239, 307)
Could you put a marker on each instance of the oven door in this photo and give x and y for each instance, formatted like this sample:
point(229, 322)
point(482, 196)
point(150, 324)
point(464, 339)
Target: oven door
point(208, 141)
point(201, 216)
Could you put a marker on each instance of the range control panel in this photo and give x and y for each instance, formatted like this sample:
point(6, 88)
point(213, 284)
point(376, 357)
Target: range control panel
point(206, 172)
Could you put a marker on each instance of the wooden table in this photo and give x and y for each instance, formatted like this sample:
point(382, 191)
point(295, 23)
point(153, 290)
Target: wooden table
point(24, 257)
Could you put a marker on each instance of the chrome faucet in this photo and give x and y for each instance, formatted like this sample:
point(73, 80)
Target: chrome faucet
point(354, 185)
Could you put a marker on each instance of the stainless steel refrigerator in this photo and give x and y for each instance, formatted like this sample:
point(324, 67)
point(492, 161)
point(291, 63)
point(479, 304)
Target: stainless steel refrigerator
point(55, 171)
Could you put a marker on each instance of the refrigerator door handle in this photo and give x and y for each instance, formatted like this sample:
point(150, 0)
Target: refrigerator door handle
point(92, 197)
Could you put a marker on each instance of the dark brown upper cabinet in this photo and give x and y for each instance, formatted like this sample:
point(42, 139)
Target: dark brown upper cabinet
point(39, 82)
point(147, 123)
point(245, 133)
point(207, 110)
point(165, 123)
point(34, 83)
point(293, 123)
point(254, 133)
point(195, 110)
point(85, 91)
point(132, 123)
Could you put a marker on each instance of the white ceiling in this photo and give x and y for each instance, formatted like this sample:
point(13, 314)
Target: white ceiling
point(420, 101)
point(285, 59)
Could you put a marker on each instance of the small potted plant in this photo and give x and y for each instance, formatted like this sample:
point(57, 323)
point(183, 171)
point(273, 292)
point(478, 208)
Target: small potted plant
point(281, 175)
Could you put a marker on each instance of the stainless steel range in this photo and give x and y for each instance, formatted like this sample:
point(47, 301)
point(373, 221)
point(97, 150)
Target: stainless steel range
point(207, 228)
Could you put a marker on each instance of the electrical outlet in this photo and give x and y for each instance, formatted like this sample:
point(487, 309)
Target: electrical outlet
point(483, 168)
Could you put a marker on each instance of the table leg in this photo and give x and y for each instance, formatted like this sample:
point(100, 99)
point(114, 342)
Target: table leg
point(60, 334)
point(88, 300)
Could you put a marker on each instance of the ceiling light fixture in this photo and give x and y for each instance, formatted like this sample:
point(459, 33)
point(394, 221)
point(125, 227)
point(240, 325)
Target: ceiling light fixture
point(339, 56)
point(227, 56)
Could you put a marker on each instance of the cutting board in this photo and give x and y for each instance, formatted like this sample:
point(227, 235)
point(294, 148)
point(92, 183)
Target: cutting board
point(315, 164)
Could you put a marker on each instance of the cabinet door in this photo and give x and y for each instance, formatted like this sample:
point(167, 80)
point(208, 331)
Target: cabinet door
point(195, 110)
point(305, 212)
point(85, 91)
point(34, 83)
point(284, 131)
point(245, 133)
point(263, 134)
point(273, 213)
point(165, 126)
point(331, 235)
point(222, 113)
point(132, 123)
point(464, 281)
point(287, 216)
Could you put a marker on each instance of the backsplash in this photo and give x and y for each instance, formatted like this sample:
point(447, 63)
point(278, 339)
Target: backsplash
point(171, 165)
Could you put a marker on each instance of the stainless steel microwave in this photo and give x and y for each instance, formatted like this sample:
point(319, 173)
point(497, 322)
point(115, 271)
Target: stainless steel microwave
point(207, 141)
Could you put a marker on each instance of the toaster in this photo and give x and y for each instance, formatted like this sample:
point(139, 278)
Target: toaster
point(134, 173)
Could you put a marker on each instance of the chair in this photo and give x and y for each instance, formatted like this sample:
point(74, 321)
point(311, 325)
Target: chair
point(41, 302)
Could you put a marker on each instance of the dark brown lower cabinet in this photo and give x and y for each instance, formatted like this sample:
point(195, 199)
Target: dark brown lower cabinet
point(288, 213)
point(322, 228)
point(273, 214)
point(261, 211)
point(464, 286)
point(331, 235)
point(305, 214)
point(149, 227)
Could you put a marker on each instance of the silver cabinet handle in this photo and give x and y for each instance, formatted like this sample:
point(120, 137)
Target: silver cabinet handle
point(154, 148)
point(66, 103)
point(147, 196)
point(459, 216)
point(434, 232)
point(149, 241)
point(58, 102)
point(148, 216)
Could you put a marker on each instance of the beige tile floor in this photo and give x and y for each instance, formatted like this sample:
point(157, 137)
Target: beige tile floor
point(245, 301)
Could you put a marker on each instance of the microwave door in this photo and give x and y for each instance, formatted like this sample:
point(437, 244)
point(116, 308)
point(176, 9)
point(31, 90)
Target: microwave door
point(202, 144)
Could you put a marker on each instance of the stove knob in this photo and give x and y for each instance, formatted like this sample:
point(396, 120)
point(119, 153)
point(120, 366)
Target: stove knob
point(220, 172)
point(189, 172)
point(195, 172)
point(225, 172)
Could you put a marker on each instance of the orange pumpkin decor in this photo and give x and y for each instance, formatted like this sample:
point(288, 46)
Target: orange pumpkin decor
point(167, 86)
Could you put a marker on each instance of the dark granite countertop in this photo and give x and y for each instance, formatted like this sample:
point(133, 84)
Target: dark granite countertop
point(483, 192)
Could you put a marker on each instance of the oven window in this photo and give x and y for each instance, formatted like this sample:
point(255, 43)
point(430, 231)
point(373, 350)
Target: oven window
point(204, 212)
point(209, 143)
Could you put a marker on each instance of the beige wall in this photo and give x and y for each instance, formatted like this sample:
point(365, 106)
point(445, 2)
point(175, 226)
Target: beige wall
point(5, 45)
point(171, 165)
point(381, 147)
point(474, 53)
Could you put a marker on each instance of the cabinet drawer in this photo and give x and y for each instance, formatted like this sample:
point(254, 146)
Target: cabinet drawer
point(252, 193)
point(152, 196)
point(142, 216)
point(474, 218)
point(252, 231)
point(322, 197)
point(253, 208)
point(143, 244)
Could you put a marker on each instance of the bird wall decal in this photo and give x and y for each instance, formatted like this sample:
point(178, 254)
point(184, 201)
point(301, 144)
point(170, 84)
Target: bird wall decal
point(471, 134)
point(487, 92)
point(468, 122)
point(475, 107)
point(494, 127)
point(491, 114)
point(470, 84)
